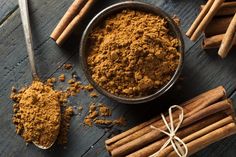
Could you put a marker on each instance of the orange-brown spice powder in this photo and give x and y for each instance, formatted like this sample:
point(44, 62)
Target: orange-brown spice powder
point(37, 113)
point(132, 53)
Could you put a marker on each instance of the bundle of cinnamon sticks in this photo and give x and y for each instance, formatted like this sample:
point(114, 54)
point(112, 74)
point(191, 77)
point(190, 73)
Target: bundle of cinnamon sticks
point(208, 118)
point(71, 19)
point(217, 20)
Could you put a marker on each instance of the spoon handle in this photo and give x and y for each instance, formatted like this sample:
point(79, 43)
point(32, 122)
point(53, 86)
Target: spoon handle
point(23, 5)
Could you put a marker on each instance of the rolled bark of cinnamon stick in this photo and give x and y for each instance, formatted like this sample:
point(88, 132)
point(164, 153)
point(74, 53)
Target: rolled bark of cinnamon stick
point(212, 109)
point(213, 42)
point(217, 26)
point(69, 29)
point(199, 18)
point(210, 96)
point(205, 21)
point(191, 106)
point(155, 135)
point(199, 133)
point(131, 131)
point(226, 9)
point(205, 99)
point(228, 39)
point(212, 137)
point(67, 18)
point(154, 147)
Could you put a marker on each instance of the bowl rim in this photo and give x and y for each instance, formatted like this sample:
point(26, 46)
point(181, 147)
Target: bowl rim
point(136, 6)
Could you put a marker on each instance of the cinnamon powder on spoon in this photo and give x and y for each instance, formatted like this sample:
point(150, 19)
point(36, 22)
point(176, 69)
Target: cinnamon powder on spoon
point(37, 113)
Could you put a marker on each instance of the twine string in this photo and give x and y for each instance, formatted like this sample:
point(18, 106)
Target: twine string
point(178, 145)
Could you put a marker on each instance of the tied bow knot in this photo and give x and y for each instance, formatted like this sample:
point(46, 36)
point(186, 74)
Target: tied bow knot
point(176, 142)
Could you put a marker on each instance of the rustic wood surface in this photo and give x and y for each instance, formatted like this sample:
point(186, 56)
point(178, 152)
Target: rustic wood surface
point(202, 71)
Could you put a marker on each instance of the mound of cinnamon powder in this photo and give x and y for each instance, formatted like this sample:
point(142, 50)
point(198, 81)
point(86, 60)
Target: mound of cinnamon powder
point(37, 113)
point(132, 53)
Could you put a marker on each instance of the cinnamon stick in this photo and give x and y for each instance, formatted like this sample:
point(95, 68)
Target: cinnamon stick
point(155, 135)
point(229, 38)
point(204, 100)
point(154, 147)
point(217, 107)
point(212, 137)
point(199, 18)
point(226, 9)
point(217, 26)
point(213, 42)
point(72, 25)
point(191, 106)
point(67, 18)
point(197, 134)
point(205, 21)
point(131, 131)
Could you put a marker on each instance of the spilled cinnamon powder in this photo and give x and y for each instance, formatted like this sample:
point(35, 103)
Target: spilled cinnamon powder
point(97, 114)
point(41, 114)
point(68, 66)
point(62, 77)
point(65, 125)
point(104, 110)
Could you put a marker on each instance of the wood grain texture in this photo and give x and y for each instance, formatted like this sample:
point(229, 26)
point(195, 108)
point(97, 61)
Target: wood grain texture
point(201, 72)
point(7, 7)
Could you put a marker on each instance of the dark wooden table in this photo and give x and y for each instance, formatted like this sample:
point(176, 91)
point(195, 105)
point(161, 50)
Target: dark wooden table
point(202, 71)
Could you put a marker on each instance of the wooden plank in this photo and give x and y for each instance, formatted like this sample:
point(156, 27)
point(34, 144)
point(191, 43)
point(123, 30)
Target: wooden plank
point(201, 73)
point(233, 98)
point(7, 7)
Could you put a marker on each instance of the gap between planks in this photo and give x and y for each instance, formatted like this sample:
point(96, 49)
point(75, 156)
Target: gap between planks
point(9, 15)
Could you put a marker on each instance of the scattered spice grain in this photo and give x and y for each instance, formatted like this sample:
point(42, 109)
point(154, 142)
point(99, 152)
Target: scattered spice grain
point(96, 116)
point(71, 81)
point(88, 87)
point(74, 87)
point(80, 108)
point(88, 121)
point(51, 81)
point(119, 121)
point(68, 66)
point(62, 77)
point(92, 107)
point(132, 53)
point(102, 121)
point(176, 19)
point(104, 110)
point(93, 94)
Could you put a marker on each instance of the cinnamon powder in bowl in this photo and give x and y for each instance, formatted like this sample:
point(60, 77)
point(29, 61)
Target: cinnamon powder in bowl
point(132, 55)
